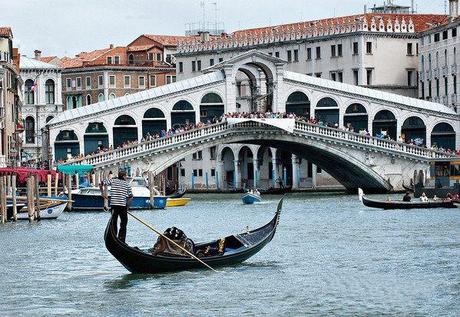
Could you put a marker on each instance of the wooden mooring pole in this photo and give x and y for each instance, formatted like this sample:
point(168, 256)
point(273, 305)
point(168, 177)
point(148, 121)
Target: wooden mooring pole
point(56, 184)
point(151, 188)
point(13, 193)
point(37, 197)
point(3, 207)
point(69, 191)
point(30, 198)
point(48, 183)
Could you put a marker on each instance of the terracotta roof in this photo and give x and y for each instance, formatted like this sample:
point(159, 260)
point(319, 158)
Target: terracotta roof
point(139, 48)
point(79, 59)
point(166, 40)
point(47, 59)
point(6, 31)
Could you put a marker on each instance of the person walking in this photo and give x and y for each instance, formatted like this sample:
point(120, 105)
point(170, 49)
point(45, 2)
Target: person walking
point(121, 196)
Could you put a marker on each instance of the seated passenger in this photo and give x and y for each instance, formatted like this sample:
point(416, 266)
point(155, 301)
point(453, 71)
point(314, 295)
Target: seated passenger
point(423, 197)
point(407, 197)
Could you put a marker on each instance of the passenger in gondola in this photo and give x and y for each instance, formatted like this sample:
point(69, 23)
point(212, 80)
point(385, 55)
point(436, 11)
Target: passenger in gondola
point(423, 197)
point(407, 197)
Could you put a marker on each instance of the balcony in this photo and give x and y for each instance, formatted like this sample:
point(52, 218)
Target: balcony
point(445, 71)
point(436, 73)
point(453, 69)
point(422, 76)
point(429, 74)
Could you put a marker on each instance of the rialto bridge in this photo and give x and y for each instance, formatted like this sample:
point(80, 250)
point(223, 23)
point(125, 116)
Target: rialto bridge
point(352, 158)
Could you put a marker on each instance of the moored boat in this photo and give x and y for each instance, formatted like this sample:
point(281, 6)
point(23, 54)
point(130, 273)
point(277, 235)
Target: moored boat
point(398, 204)
point(177, 202)
point(50, 210)
point(236, 249)
point(178, 194)
point(251, 197)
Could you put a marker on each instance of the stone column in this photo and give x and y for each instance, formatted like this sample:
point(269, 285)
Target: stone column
point(220, 174)
point(237, 174)
point(313, 175)
point(295, 172)
point(230, 93)
point(275, 173)
point(255, 163)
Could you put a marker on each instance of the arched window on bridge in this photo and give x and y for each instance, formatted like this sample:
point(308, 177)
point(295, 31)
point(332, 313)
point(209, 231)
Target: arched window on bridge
point(414, 131)
point(182, 113)
point(124, 130)
point(30, 130)
point(96, 137)
point(66, 145)
point(327, 111)
point(356, 116)
point(299, 104)
point(384, 124)
point(211, 107)
point(443, 135)
point(154, 121)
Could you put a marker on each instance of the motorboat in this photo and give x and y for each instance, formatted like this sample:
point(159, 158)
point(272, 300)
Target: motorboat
point(49, 210)
point(177, 202)
point(251, 197)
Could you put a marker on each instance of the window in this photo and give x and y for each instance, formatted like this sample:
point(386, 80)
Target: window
point(296, 56)
point(170, 79)
point(340, 77)
point(410, 75)
point(49, 91)
point(181, 67)
point(153, 81)
point(88, 82)
point(182, 172)
point(211, 62)
point(318, 75)
point(333, 76)
point(100, 97)
point(454, 32)
point(197, 155)
point(444, 35)
point(356, 77)
point(69, 83)
point(159, 57)
point(422, 89)
point(193, 66)
point(198, 63)
point(446, 86)
point(308, 53)
point(410, 49)
point(277, 54)
point(318, 52)
point(141, 82)
point(429, 90)
point(455, 83)
point(112, 82)
point(289, 56)
point(339, 50)
point(437, 37)
point(213, 172)
point(100, 81)
point(150, 57)
point(30, 130)
point(200, 172)
point(117, 60)
point(112, 96)
point(437, 87)
point(195, 173)
point(130, 59)
point(213, 152)
point(369, 76)
point(369, 48)
point(355, 48)
point(88, 99)
point(127, 81)
point(78, 83)
point(221, 59)
point(109, 60)
point(29, 91)
point(270, 53)
point(333, 52)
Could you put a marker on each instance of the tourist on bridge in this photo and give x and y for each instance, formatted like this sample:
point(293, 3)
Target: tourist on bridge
point(120, 200)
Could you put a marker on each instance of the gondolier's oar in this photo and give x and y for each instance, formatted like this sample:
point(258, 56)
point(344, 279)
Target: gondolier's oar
point(176, 244)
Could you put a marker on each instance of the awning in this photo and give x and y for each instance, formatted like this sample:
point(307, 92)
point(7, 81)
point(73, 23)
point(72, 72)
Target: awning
point(75, 169)
point(23, 173)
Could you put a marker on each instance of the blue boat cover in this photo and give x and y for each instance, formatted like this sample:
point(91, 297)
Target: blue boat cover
point(75, 169)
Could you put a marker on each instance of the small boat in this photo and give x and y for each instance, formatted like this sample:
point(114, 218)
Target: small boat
point(237, 248)
point(250, 198)
point(178, 194)
point(399, 204)
point(177, 202)
point(51, 210)
point(9, 209)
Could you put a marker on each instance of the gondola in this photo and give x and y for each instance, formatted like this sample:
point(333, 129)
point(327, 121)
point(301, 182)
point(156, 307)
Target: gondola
point(276, 191)
point(178, 194)
point(399, 204)
point(238, 248)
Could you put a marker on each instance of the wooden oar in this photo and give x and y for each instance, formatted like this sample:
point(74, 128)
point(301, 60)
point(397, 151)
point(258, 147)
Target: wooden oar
point(177, 245)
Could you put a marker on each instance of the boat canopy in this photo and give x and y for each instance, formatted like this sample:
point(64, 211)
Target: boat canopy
point(23, 173)
point(75, 169)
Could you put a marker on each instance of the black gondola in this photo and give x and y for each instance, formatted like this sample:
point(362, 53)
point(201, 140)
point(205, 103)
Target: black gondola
point(276, 191)
point(238, 248)
point(178, 194)
point(398, 204)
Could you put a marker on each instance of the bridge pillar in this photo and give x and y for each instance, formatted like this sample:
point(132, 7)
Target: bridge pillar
point(275, 173)
point(255, 163)
point(237, 175)
point(313, 175)
point(295, 171)
point(220, 175)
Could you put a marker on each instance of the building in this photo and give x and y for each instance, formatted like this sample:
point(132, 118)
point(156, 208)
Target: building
point(439, 58)
point(112, 72)
point(42, 102)
point(10, 100)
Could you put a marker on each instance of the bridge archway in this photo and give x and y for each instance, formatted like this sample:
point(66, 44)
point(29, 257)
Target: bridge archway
point(356, 115)
point(443, 135)
point(246, 163)
point(299, 104)
point(228, 167)
point(265, 161)
point(65, 145)
point(211, 106)
point(413, 129)
point(385, 121)
point(182, 113)
point(96, 137)
point(327, 111)
point(124, 130)
point(153, 122)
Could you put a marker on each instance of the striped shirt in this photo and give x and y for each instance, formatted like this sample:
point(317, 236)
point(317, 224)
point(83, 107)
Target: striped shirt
point(119, 191)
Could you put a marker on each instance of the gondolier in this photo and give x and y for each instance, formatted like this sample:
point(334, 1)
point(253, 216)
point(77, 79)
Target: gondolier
point(120, 200)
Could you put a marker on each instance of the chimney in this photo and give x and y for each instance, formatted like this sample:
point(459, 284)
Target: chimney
point(204, 36)
point(365, 8)
point(111, 46)
point(38, 54)
point(453, 9)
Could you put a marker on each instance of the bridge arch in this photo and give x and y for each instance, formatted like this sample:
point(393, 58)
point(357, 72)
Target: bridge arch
point(211, 106)
point(182, 113)
point(153, 121)
point(443, 135)
point(298, 103)
point(414, 128)
point(227, 158)
point(96, 137)
point(385, 121)
point(327, 110)
point(356, 115)
point(246, 164)
point(124, 130)
point(65, 145)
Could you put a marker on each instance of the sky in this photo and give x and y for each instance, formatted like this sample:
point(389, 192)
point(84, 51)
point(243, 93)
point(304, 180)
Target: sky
point(67, 27)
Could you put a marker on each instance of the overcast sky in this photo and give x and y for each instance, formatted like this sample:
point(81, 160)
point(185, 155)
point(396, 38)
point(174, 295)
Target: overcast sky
point(66, 27)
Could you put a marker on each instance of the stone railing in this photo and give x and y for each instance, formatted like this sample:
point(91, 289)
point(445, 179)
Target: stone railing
point(184, 138)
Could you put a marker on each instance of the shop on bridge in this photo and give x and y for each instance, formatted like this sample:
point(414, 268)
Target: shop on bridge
point(182, 114)
point(413, 130)
point(124, 130)
point(211, 107)
point(299, 104)
point(356, 116)
point(385, 124)
point(327, 111)
point(96, 137)
point(66, 145)
point(443, 136)
point(153, 122)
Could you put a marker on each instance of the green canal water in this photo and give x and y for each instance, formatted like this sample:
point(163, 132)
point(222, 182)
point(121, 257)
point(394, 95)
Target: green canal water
point(330, 256)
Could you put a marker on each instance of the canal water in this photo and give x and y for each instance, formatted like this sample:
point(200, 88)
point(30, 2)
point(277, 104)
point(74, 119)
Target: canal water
point(330, 256)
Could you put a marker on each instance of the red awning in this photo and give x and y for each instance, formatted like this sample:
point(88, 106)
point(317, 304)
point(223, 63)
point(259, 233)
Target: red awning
point(23, 172)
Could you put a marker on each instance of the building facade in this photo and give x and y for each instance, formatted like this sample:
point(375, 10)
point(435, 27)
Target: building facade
point(439, 59)
point(42, 102)
point(10, 100)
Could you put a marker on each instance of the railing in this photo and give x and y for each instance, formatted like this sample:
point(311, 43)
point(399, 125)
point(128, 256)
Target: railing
point(186, 137)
